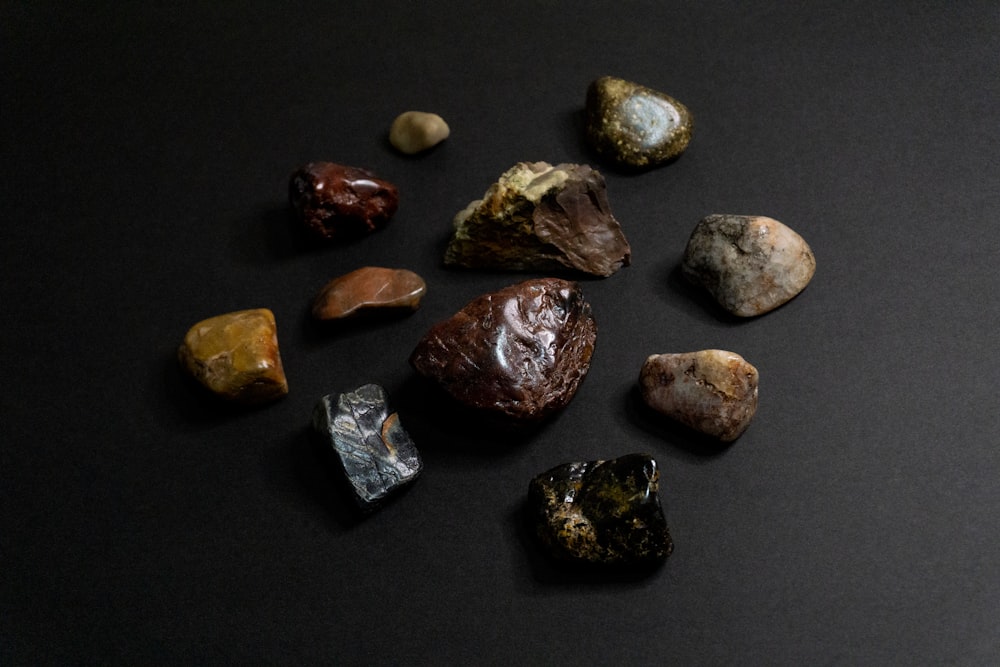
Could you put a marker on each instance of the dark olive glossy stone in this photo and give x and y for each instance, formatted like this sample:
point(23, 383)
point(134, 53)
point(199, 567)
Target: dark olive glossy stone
point(334, 202)
point(520, 352)
point(604, 513)
point(376, 454)
point(634, 126)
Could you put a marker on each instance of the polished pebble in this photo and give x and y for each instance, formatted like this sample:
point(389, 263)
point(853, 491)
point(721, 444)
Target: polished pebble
point(544, 218)
point(236, 356)
point(749, 264)
point(712, 391)
point(519, 353)
point(634, 126)
point(369, 290)
point(334, 202)
point(416, 131)
point(601, 513)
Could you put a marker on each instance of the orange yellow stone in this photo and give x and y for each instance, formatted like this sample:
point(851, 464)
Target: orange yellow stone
point(236, 356)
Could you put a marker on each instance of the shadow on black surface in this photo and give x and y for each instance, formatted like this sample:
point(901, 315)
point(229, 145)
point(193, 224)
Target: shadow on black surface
point(549, 572)
point(696, 444)
point(438, 422)
point(318, 476)
point(701, 303)
point(321, 333)
point(273, 234)
point(193, 403)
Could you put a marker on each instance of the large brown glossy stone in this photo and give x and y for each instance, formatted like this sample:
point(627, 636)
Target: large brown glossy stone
point(520, 352)
point(369, 290)
point(236, 356)
point(334, 202)
point(541, 217)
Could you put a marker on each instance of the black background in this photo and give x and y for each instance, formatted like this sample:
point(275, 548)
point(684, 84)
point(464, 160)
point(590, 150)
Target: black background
point(146, 153)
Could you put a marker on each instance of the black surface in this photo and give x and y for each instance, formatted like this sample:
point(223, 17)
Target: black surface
point(145, 162)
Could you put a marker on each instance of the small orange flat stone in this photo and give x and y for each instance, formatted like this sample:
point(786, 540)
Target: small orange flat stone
point(236, 356)
point(367, 290)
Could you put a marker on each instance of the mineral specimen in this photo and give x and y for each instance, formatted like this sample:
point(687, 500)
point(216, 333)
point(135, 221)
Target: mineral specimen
point(416, 131)
point(334, 202)
point(711, 391)
point(236, 356)
point(377, 456)
point(601, 512)
point(368, 290)
point(750, 264)
point(634, 126)
point(519, 353)
point(544, 218)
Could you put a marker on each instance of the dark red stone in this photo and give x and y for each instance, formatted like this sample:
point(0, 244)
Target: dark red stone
point(335, 202)
point(520, 352)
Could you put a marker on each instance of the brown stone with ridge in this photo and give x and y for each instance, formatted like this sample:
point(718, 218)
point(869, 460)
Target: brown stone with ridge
point(369, 290)
point(235, 356)
point(519, 353)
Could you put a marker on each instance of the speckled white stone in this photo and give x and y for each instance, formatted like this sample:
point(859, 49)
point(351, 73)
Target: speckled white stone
point(750, 264)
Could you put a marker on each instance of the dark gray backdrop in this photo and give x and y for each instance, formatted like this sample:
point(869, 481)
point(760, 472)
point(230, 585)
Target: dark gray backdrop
point(146, 153)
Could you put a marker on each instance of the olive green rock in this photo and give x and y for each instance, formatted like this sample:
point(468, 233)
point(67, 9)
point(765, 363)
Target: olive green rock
point(634, 126)
point(601, 513)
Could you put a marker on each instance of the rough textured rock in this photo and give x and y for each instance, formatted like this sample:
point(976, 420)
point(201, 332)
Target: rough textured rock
point(601, 512)
point(749, 264)
point(634, 126)
point(520, 352)
point(711, 391)
point(370, 289)
point(334, 202)
point(416, 131)
point(236, 356)
point(541, 217)
point(375, 453)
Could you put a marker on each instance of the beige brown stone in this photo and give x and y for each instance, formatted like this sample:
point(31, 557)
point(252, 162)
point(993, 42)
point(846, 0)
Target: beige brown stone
point(236, 356)
point(416, 131)
point(711, 391)
point(368, 290)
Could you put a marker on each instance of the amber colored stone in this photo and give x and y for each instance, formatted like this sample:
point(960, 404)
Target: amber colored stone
point(520, 352)
point(334, 202)
point(236, 356)
point(368, 290)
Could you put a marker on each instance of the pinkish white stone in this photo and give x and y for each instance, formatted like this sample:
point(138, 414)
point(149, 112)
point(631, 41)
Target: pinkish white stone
point(711, 391)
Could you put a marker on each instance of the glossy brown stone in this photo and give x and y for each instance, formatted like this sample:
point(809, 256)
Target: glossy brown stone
point(334, 202)
point(520, 352)
point(235, 356)
point(369, 290)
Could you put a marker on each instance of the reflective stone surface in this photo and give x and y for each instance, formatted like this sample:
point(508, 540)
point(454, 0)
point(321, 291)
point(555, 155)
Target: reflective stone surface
point(749, 264)
point(236, 356)
point(376, 455)
point(711, 391)
point(541, 217)
point(334, 202)
point(601, 512)
point(369, 290)
point(520, 352)
point(634, 126)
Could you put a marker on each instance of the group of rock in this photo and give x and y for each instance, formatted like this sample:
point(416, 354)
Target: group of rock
point(520, 353)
